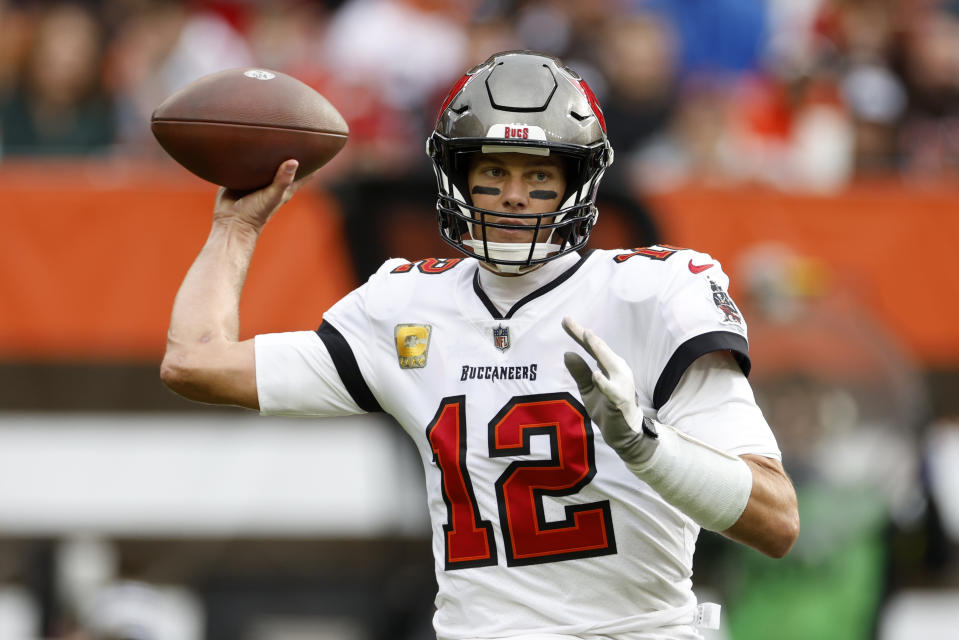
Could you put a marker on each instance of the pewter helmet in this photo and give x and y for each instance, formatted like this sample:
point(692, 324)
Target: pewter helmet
point(524, 102)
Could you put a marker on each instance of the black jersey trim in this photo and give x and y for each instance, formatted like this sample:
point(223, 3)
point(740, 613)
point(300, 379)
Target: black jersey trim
point(485, 298)
point(687, 353)
point(347, 367)
point(546, 288)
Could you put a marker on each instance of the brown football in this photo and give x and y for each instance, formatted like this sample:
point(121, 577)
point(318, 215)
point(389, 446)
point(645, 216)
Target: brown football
point(235, 127)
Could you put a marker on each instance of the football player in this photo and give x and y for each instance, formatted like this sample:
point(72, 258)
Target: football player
point(580, 415)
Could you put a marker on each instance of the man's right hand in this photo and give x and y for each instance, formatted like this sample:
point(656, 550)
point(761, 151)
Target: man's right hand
point(253, 209)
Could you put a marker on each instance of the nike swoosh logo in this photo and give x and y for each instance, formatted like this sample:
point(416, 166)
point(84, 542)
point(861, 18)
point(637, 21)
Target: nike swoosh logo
point(699, 268)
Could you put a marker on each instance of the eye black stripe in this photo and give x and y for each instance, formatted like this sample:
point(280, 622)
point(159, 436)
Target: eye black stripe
point(486, 191)
point(542, 194)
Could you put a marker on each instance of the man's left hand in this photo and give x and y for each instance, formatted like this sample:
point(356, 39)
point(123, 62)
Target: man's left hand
point(609, 395)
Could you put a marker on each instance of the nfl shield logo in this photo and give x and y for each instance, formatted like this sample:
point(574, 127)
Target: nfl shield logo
point(501, 337)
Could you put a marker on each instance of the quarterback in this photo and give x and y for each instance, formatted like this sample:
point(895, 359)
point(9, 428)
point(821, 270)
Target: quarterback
point(580, 414)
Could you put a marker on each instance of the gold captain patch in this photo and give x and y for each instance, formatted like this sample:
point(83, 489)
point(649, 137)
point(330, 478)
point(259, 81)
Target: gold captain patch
point(412, 345)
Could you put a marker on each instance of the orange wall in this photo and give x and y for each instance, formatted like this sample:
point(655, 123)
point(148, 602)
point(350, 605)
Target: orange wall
point(91, 255)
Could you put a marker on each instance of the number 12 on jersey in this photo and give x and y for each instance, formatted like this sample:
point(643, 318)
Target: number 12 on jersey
point(528, 537)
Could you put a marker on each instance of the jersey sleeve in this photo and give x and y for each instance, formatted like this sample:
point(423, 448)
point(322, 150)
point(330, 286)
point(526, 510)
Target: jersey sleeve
point(714, 403)
point(327, 372)
point(695, 315)
point(296, 375)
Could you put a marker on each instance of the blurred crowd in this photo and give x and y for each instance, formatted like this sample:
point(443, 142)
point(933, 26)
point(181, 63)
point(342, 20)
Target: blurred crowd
point(797, 94)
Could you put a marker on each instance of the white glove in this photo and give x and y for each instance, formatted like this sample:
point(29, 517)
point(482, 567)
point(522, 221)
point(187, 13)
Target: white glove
point(710, 486)
point(610, 396)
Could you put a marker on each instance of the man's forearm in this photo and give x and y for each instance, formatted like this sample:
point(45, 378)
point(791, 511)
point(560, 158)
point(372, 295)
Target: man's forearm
point(203, 359)
point(207, 305)
point(770, 522)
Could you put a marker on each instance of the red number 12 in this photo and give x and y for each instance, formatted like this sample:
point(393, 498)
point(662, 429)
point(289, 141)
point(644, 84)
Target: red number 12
point(529, 538)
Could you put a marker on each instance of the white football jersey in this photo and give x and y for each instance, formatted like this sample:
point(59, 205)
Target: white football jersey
point(538, 526)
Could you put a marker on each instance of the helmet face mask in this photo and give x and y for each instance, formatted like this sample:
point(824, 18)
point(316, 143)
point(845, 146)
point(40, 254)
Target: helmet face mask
point(522, 102)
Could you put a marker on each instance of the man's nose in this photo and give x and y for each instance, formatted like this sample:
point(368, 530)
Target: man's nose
point(516, 193)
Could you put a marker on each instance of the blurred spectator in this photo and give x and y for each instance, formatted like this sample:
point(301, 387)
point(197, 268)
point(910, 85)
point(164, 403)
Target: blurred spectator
point(158, 49)
point(639, 62)
point(489, 32)
point(931, 66)
point(794, 41)
point(387, 60)
point(794, 132)
point(877, 102)
point(694, 146)
point(407, 49)
point(287, 36)
point(543, 25)
point(57, 103)
point(14, 42)
point(571, 30)
point(858, 39)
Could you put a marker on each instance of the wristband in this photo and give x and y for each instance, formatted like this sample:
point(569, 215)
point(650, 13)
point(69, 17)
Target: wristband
point(710, 486)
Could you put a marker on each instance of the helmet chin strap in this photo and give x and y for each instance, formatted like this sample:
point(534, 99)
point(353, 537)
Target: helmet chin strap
point(511, 251)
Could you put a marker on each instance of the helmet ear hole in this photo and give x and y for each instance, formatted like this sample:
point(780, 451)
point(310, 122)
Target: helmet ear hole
point(462, 162)
point(458, 230)
point(574, 176)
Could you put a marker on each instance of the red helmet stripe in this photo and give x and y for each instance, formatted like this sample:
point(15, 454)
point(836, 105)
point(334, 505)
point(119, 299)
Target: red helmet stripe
point(593, 103)
point(452, 94)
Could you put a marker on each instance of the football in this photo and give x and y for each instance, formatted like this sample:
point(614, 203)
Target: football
point(234, 127)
